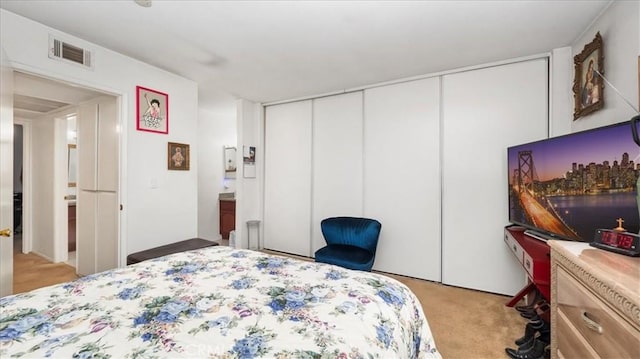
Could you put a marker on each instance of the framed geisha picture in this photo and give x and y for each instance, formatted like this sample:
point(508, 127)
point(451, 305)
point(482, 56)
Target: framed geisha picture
point(152, 110)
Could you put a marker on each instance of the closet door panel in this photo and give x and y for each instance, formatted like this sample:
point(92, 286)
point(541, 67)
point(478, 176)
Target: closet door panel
point(87, 146)
point(98, 174)
point(108, 163)
point(485, 111)
point(86, 232)
point(401, 175)
point(106, 231)
point(287, 187)
point(337, 160)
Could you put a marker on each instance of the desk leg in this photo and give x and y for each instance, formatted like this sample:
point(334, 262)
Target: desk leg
point(516, 298)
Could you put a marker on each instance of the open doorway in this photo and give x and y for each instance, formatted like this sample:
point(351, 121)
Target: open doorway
point(46, 112)
point(17, 187)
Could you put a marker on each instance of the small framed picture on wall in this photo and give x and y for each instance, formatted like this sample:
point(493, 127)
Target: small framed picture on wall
point(152, 110)
point(249, 161)
point(588, 85)
point(178, 156)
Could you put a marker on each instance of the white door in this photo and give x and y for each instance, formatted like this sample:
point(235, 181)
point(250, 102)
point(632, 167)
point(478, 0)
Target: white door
point(401, 175)
point(98, 204)
point(6, 177)
point(287, 187)
point(337, 160)
point(485, 111)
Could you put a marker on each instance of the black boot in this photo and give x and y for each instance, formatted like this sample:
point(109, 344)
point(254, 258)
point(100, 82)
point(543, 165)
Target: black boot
point(529, 331)
point(527, 345)
point(528, 311)
point(535, 352)
point(536, 300)
point(531, 314)
point(543, 335)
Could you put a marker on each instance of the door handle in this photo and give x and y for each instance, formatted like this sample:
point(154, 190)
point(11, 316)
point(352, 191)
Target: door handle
point(5, 232)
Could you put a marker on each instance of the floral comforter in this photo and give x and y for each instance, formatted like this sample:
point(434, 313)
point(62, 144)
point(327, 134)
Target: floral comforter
point(218, 302)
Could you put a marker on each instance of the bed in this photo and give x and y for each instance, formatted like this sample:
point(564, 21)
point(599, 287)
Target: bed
point(219, 302)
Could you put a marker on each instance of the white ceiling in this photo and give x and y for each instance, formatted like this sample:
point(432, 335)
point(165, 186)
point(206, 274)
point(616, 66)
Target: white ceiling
point(274, 50)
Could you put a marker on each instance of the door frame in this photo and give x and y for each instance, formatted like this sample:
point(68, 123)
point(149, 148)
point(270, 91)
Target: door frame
point(122, 102)
point(27, 221)
point(6, 167)
point(60, 180)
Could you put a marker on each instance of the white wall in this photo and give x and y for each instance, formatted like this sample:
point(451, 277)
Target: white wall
point(249, 199)
point(151, 216)
point(560, 93)
point(619, 28)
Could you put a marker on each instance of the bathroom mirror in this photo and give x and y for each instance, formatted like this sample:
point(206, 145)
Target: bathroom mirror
point(72, 164)
point(229, 162)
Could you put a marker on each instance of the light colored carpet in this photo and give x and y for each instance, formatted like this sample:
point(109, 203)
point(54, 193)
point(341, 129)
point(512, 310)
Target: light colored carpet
point(467, 323)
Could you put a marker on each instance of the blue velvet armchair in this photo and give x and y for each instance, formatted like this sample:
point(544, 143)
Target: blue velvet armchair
point(351, 242)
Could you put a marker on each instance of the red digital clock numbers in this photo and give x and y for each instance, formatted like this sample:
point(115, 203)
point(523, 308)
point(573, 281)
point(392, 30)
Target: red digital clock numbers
point(625, 241)
point(616, 241)
point(619, 240)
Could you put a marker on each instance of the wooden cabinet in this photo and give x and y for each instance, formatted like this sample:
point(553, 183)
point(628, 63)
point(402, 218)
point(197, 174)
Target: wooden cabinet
point(595, 302)
point(71, 218)
point(227, 217)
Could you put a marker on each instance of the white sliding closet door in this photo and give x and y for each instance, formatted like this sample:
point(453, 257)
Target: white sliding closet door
point(485, 111)
point(402, 175)
point(287, 186)
point(337, 160)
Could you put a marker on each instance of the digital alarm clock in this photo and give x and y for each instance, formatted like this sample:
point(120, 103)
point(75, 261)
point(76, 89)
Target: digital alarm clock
point(616, 241)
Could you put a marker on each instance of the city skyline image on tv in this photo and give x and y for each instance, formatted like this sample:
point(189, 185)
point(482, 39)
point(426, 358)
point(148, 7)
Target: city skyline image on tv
point(569, 186)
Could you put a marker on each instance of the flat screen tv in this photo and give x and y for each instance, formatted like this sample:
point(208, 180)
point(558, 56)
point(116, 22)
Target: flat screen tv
point(567, 187)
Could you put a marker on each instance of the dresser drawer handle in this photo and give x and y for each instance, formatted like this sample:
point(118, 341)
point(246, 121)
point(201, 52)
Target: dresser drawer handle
point(591, 324)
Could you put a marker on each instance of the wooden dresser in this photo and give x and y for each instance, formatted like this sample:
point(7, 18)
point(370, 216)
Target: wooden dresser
point(595, 302)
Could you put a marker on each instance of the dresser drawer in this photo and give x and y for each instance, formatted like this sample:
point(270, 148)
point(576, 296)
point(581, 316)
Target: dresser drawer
point(610, 335)
point(571, 344)
point(514, 246)
point(528, 263)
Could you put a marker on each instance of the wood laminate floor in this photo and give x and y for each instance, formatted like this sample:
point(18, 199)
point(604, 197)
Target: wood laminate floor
point(31, 271)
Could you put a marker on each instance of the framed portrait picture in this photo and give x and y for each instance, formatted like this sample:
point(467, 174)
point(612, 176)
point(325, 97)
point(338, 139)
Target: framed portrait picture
point(588, 86)
point(152, 110)
point(178, 156)
point(249, 161)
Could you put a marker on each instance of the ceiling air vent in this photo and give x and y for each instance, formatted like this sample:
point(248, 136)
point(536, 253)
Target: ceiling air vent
point(62, 50)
